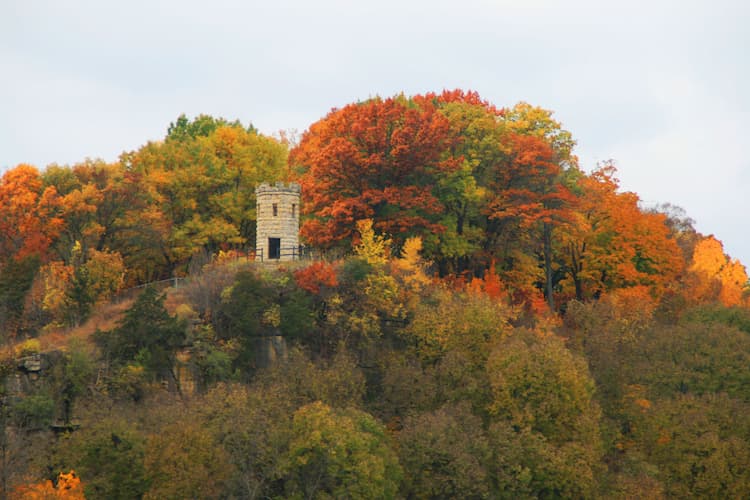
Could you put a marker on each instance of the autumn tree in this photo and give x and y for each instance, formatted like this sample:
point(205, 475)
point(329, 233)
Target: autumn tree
point(198, 189)
point(378, 159)
point(316, 277)
point(445, 453)
point(714, 276)
point(29, 222)
point(339, 452)
point(699, 444)
point(447, 321)
point(614, 244)
point(91, 202)
point(545, 393)
point(182, 460)
point(68, 486)
point(528, 193)
point(477, 130)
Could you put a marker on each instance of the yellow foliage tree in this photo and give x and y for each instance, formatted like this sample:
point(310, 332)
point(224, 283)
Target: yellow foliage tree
point(106, 273)
point(714, 276)
point(372, 247)
point(411, 267)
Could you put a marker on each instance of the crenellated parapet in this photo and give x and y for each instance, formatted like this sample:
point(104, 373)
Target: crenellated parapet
point(278, 187)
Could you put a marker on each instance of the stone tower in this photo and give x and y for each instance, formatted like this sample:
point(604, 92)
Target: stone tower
point(278, 221)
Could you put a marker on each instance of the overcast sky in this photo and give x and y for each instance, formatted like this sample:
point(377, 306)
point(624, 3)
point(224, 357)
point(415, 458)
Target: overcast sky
point(661, 87)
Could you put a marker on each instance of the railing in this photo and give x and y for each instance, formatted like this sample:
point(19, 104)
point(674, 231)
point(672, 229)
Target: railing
point(251, 255)
point(160, 285)
point(286, 253)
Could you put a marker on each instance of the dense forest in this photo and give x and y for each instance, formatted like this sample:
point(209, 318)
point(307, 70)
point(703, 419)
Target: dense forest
point(482, 319)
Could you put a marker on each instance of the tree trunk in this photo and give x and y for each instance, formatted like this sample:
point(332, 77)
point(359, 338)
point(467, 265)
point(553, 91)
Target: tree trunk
point(547, 237)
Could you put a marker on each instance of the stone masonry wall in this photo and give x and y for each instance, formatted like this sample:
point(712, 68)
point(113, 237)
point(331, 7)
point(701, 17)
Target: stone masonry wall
point(284, 225)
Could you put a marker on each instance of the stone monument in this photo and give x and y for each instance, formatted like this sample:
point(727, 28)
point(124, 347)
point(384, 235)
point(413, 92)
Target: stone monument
point(277, 233)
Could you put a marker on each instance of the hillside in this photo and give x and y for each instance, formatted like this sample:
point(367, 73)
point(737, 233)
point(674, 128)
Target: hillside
point(482, 319)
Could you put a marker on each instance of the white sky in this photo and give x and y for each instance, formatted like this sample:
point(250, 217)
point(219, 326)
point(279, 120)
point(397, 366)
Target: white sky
point(662, 87)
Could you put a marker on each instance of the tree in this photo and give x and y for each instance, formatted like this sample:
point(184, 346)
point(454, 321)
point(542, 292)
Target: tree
point(68, 487)
point(713, 275)
point(198, 190)
point(411, 269)
point(147, 334)
point(316, 276)
point(29, 221)
point(71, 375)
point(16, 279)
point(477, 130)
point(700, 446)
point(257, 306)
point(537, 383)
point(528, 120)
point(447, 321)
point(377, 159)
point(614, 244)
point(445, 454)
point(528, 190)
point(546, 418)
point(108, 456)
point(202, 125)
point(182, 460)
point(336, 453)
point(372, 248)
point(693, 357)
point(526, 465)
point(251, 425)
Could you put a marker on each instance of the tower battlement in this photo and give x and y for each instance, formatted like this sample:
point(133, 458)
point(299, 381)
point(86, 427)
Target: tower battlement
point(278, 187)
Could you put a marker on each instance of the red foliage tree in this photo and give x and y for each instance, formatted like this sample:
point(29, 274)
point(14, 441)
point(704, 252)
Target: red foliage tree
point(378, 159)
point(315, 276)
point(527, 190)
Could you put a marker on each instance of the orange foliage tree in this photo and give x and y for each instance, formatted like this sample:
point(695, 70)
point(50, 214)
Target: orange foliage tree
point(615, 244)
point(378, 159)
point(68, 486)
point(29, 220)
point(714, 276)
point(490, 284)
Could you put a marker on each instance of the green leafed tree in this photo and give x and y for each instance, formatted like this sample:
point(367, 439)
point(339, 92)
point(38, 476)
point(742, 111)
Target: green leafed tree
point(445, 454)
point(543, 403)
point(108, 457)
point(147, 335)
point(339, 453)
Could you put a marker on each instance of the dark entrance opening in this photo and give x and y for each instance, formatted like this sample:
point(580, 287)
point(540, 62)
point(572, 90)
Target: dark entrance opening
point(274, 248)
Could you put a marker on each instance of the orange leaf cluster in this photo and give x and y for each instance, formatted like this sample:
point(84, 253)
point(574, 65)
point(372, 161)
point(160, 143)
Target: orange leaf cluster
point(29, 222)
point(714, 276)
point(315, 276)
point(490, 284)
point(68, 487)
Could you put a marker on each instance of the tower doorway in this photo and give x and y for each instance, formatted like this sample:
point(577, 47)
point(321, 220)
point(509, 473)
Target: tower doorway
point(274, 248)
